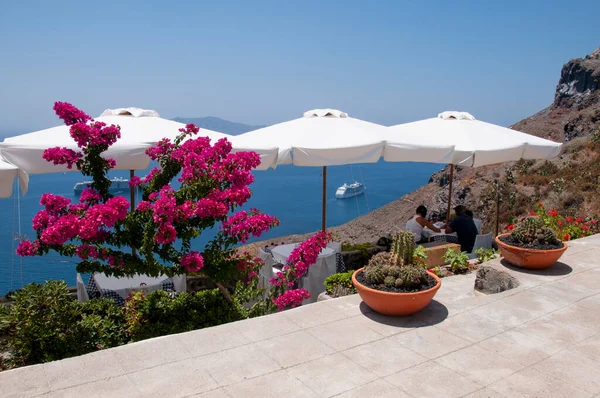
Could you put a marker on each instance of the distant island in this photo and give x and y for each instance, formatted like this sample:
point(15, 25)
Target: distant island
point(218, 124)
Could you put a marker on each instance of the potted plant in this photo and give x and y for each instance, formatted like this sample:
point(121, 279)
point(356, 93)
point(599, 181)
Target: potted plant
point(531, 245)
point(396, 283)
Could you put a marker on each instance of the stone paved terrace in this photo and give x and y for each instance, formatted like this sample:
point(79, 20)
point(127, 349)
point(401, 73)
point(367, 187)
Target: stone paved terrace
point(539, 340)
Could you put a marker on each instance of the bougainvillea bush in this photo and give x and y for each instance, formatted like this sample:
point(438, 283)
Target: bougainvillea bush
point(157, 236)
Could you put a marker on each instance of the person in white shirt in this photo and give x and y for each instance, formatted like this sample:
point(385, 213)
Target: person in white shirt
point(418, 222)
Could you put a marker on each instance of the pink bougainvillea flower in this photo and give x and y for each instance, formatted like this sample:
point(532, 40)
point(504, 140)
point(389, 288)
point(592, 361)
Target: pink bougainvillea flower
point(27, 248)
point(291, 298)
point(192, 261)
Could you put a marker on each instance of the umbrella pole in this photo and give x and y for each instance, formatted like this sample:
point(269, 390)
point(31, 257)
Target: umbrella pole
point(131, 190)
point(132, 199)
point(497, 206)
point(450, 194)
point(324, 216)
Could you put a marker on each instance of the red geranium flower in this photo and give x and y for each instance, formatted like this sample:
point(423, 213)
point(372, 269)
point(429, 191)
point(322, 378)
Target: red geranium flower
point(569, 219)
point(560, 223)
point(511, 226)
point(532, 213)
point(540, 204)
point(580, 219)
point(567, 236)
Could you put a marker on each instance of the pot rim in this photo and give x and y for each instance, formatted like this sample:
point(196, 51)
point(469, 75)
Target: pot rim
point(435, 288)
point(500, 243)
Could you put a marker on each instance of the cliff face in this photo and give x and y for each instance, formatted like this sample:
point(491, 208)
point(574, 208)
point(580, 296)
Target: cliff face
point(575, 111)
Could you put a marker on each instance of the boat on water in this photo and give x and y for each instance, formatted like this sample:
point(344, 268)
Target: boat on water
point(350, 190)
point(117, 185)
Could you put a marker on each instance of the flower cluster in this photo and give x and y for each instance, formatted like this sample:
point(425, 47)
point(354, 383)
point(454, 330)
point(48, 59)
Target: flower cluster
point(243, 224)
point(62, 155)
point(192, 261)
point(298, 263)
point(291, 298)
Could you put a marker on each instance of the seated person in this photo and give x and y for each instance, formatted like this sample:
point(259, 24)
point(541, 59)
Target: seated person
point(464, 227)
point(418, 222)
point(469, 213)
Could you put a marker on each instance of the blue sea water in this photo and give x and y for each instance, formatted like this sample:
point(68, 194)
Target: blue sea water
point(291, 193)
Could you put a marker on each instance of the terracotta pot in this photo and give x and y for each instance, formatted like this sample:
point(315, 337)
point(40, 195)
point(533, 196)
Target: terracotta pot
point(387, 303)
point(529, 258)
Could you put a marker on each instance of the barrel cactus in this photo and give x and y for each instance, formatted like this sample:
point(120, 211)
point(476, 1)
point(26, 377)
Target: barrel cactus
point(412, 276)
point(533, 231)
point(374, 274)
point(389, 281)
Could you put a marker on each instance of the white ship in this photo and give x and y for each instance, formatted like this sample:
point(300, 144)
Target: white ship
point(350, 190)
point(118, 185)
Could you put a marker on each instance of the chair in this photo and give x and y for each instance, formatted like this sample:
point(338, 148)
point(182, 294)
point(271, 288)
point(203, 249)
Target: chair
point(82, 294)
point(481, 241)
point(339, 259)
point(478, 224)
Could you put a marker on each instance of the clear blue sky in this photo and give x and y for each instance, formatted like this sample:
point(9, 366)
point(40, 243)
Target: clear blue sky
point(261, 62)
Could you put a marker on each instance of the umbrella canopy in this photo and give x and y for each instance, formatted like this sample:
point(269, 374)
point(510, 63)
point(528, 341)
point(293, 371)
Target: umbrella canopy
point(478, 143)
point(8, 172)
point(140, 129)
point(329, 137)
point(322, 137)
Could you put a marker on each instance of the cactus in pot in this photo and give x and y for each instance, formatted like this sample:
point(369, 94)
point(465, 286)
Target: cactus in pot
point(532, 230)
point(398, 268)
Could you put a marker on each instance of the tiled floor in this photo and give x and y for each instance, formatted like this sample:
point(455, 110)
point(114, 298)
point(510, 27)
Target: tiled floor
point(539, 340)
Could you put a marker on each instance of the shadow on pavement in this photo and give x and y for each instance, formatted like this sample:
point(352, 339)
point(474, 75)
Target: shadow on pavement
point(557, 269)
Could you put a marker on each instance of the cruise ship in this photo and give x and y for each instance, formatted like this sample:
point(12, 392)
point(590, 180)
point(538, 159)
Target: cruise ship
point(350, 190)
point(118, 185)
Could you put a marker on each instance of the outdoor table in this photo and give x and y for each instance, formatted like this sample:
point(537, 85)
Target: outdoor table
point(442, 235)
point(118, 289)
point(314, 280)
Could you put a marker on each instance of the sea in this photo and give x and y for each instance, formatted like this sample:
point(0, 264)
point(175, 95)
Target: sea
point(291, 193)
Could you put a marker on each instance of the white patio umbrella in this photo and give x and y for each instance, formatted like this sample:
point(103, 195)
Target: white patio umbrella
point(140, 129)
point(8, 172)
point(478, 143)
point(329, 137)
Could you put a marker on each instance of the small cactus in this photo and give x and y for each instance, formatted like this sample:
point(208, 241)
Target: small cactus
point(389, 281)
point(413, 275)
point(374, 274)
point(399, 283)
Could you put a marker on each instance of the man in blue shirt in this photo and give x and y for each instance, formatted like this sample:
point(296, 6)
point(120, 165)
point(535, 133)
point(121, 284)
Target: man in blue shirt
point(464, 227)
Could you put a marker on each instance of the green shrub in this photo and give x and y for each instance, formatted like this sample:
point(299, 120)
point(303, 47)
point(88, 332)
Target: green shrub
point(340, 284)
point(45, 324)
point(161, 313)
point(484, 255)
point(348, 247)
point(457, 260)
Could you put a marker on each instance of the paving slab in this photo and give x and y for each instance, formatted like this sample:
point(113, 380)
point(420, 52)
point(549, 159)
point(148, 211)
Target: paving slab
point(278, 384)
point(532, 383)
point(520, 347)
point(431, 379)
point(397, 357)
point(332, 375)
point(573, 368)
